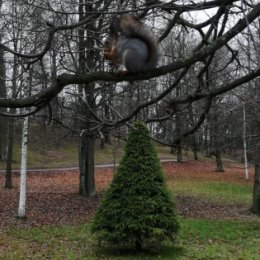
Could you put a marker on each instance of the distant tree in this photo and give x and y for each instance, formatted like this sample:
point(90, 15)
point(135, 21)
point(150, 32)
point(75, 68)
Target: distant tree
point(137, 209)
point(3, 93)
point(256, 187)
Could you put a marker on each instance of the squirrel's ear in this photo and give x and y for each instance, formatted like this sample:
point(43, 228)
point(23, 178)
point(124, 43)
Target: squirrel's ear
point(115, 25)
point(137, 19)
point(116, 18)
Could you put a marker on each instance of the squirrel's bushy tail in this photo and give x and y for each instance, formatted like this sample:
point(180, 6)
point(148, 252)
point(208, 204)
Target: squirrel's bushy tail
point(132, 27)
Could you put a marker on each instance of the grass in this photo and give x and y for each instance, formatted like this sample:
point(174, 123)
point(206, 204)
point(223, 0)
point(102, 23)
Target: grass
point(67, 155)
point(215, 191)
point(221, 239)
point(60, 157)
point(198, 239)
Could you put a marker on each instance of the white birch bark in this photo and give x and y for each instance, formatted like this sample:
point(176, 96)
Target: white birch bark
point(22, 199)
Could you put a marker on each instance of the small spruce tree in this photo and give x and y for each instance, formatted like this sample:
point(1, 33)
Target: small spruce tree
point(137, 209)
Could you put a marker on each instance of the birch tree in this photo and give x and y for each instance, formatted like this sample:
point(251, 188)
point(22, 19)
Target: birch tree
point(23, 170)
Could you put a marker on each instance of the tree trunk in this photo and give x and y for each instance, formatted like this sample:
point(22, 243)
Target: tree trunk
point(256, 188)
point(179, 152)
point(3, 120)
point(105, 138)
point(86, 165)
point(106, 130)
point(194, 139)
point(89, 59)
point(22, 199)
point(11, 122)
point(195, 147)
point(3, 138)
point(245, 144)
point(219, 163)
point(8, 176)
point(179, 135)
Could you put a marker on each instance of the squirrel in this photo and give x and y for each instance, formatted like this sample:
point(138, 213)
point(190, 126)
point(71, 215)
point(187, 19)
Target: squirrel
point(132, 44)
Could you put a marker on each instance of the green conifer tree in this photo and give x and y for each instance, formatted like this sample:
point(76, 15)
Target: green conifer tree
point(137, 208)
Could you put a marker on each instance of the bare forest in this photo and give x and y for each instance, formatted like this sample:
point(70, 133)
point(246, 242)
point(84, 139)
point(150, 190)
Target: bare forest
point(202, 97)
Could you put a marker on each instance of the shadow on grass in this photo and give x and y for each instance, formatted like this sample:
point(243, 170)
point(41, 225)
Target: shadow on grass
point(165, 252)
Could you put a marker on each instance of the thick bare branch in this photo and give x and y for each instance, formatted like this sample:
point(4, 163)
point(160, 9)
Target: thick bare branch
point(218, 91)
point(43, 98)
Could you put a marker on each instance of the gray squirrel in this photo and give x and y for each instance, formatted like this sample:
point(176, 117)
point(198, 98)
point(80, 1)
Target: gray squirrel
point(132, 44)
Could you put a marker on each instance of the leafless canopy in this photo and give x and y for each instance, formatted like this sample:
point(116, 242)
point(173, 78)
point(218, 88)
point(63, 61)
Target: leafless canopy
point(222, 21)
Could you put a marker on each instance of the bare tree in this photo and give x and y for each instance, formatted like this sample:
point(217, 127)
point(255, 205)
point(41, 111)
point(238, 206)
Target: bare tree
point(80, 59)
point(3, 93)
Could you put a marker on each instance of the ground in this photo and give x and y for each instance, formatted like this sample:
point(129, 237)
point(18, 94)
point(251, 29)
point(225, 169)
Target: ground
point(213, 209)
point(52, 196)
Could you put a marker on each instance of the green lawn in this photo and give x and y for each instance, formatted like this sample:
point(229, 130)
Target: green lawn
point(215, 191)
point(198, 239)
point(67, 155)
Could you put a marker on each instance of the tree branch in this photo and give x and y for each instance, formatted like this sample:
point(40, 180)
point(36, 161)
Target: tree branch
point(41, 99)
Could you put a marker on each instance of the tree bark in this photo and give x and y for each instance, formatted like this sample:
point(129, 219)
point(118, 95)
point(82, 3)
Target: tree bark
point(9, 161)
point(88, 60)
point(194, 139)
point(86, 165)
point(195, 147)
point(256, 187)
point(219, 163)
point(245, 144)
point(179, 152)
point(179, 130)
point(106, 130)
point(11, 122)
point(3, 138)
point(3, 120)
point(22, 198)
point(106, 138)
